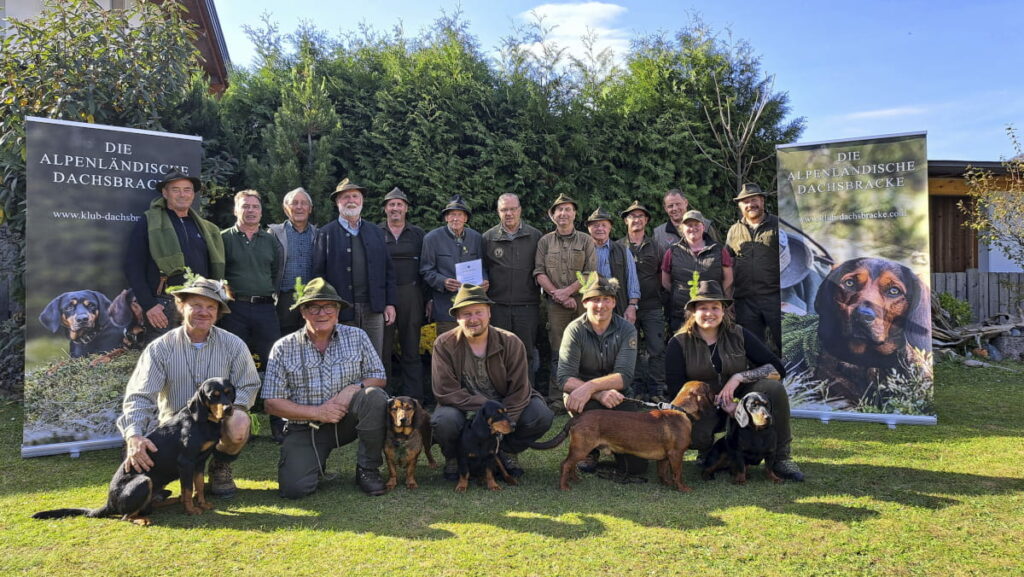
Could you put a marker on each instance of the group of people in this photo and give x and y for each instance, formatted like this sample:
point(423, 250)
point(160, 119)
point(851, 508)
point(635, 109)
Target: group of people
point(307, 319)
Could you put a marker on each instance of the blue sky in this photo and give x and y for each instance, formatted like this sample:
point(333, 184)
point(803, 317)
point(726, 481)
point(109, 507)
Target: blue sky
point(951, 68)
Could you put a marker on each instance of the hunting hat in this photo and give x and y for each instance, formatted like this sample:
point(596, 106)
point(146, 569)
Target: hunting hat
point(469, 294)
point(749, 189)
point(318, 290)
point(709, 290)
point(204, 287)
point(694, 215)
point(599, 286)
point(635, 206)
point(345, 186)
point(178, 175)
point(396, 194)
point(456, 203)
point(563, 199)
point(599, 215)
point(794, 258)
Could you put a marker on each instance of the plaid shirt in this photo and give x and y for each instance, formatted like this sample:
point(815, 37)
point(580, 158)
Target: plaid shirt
point(170, 370)
point(298, 372)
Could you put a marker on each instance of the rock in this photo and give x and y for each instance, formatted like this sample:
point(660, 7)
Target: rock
point(1010, 347)
point(993, 352)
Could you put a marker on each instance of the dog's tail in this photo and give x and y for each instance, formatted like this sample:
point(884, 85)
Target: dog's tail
point(556, 440)
point(62, 513)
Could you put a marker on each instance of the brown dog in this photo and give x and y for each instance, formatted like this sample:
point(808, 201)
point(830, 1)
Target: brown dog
point(662, 435)
point(408, 434)
point(871, 313)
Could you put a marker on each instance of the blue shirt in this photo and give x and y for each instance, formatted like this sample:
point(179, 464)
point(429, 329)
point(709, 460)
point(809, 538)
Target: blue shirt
point(299, 262)
point(354, 231)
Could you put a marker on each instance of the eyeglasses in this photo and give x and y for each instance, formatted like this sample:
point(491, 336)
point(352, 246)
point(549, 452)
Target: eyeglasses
point(317, 309)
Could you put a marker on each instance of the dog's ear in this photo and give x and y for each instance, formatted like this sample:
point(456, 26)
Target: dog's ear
point(198, 405)
point(120, 309)
point(741, 415)
point(50, 317)
point(919, 319)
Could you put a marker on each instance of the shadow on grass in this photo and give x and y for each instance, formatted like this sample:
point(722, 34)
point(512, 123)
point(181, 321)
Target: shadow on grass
point(435, 512)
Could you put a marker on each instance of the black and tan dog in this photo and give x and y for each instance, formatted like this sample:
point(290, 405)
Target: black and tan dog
point(183, 446)
point(662, 435)
point(871, 311)
point(126, 312)
point(750, 438)
point(408, 435)
point(84, 318)
point(478, 447)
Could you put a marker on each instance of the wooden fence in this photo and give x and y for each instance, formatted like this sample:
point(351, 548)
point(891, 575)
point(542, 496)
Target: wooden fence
point(989, 293)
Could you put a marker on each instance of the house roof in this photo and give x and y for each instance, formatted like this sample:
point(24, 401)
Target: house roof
point(957, 168)
point(210, 41)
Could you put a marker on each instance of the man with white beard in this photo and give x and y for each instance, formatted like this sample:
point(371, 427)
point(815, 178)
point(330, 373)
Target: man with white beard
point(352, 256)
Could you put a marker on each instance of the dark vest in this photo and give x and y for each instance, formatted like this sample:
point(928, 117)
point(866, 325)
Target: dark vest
point(617, 262)
point(648, 271)
point(707, 262)
point(756, 263)
point(699, 367)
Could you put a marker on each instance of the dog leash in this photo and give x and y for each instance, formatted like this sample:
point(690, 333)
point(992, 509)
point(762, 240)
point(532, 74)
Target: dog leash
point(661, 406)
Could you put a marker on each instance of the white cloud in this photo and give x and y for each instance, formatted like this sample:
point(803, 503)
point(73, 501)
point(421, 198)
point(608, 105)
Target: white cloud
point(570, 23)
point(886, 113)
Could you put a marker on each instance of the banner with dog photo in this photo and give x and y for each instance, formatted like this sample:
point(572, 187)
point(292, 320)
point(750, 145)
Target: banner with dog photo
point(855, 270)
point(87, 186)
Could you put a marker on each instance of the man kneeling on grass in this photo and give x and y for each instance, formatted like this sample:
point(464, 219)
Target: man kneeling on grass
point(474, 363)
point(326, 380)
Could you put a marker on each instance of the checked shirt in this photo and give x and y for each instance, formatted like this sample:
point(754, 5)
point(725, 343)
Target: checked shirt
point(298, 372)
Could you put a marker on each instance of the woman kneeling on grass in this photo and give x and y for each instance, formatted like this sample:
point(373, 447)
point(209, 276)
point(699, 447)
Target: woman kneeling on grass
point(710, 347)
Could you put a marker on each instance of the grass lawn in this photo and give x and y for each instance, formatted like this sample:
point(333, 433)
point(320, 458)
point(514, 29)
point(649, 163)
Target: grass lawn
point(942, 500)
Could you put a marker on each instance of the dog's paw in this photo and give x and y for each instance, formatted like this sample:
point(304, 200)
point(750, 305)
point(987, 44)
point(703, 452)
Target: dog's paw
point(412, 484)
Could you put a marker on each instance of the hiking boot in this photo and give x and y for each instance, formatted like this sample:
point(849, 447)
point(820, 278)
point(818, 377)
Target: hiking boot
point(511, 463)
point(277, 429)
point(221, 483)
point(370, 482)
point(451, 469)
point(621, 477)
point(557, 407)
point(589, 463)
point(788, 470)
point(702, 459)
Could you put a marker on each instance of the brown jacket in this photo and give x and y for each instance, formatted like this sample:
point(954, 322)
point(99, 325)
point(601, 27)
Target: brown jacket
point(506, 366)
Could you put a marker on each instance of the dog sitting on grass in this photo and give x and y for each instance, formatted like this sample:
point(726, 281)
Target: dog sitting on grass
point(183, 446)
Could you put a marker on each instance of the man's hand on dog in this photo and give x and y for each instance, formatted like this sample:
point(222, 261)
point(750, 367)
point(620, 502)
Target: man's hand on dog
point(156, 316)
point(138, 451)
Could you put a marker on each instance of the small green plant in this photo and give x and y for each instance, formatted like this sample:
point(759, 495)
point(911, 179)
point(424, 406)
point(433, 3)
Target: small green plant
point(959, 311)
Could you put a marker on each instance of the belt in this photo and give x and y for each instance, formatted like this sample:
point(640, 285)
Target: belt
point(255, 300)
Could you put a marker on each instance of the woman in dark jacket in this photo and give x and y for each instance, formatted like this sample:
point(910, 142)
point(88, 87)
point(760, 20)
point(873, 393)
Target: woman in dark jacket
point(710, 347)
